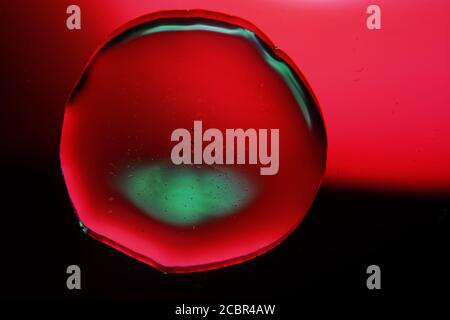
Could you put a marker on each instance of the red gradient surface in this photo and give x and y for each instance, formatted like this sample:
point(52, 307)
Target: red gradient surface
point(384, 94)
point(121, 116)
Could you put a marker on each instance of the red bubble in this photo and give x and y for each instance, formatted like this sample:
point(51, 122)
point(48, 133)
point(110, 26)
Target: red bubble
point(176, 70)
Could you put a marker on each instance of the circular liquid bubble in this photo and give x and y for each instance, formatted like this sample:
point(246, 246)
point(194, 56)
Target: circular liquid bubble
point(185, 70)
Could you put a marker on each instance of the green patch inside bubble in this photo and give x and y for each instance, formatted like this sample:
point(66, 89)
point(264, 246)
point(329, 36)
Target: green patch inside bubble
point(186, 195)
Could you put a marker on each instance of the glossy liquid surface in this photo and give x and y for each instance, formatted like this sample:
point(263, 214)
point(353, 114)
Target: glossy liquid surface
point(116, 144)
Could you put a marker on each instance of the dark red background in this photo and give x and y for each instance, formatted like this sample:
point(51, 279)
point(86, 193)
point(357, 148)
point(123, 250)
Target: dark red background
point(385, 102)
